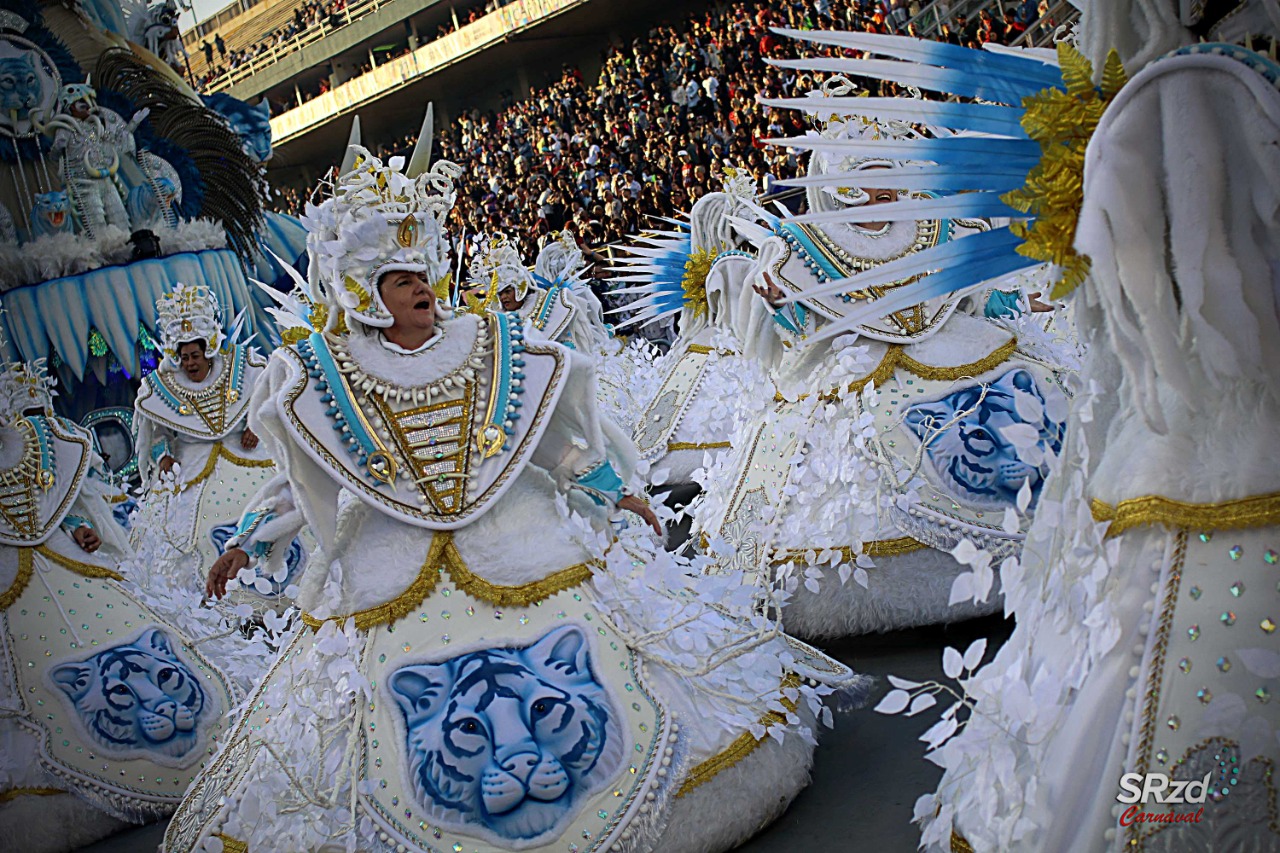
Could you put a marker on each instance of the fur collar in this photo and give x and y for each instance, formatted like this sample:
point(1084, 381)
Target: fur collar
point(411, 370)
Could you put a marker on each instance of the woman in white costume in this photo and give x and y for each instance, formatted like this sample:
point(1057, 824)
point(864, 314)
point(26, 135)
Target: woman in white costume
point(855, 496)
point(1146, 654)
point(108, 710)
point(568, 311)
point(483, 669)
point(195, 450)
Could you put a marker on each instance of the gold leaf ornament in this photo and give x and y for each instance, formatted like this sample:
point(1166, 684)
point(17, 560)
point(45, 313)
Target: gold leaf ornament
point(694, 281)
point(1063, 123)
point(364, 297)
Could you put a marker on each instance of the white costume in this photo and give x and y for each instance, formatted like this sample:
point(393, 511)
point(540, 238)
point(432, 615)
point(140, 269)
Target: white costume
point(567, 311)
point(1145, 599)
point(201, 426)
point(857, 494)
point(474, 680)
point(108, 709)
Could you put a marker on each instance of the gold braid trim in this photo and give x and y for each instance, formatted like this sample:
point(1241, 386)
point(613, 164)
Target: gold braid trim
point(88, 570)
point(1257, 511)
point(896, 357)
point(959, 844)
point(398, 607)
point(741, 747)
point(443, 555)
point(699, 348)
point(673, 446)
point(14, 592)
point(878, 548)
point(231, 845)
point(220, 452)
point(14, 793)
point(512, 596)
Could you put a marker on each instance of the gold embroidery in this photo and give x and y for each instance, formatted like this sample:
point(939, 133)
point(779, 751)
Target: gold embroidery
point(1257, 511)
point(14, 793)
point(878, 548)
point(512, 596)
point(959, 844)
point(220, 451)
point(14, 592)
point(400, 606)
point(673, 446)
point(694, 280)
point(444, 556)
point(87, 570)
point(896, 357)
point(742, 746)
point(232, 845)
point(698, 348)
point(435, 441)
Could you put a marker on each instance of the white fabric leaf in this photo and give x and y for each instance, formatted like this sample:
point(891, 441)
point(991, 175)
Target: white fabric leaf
point(965, 552)
point(1024, 495)
point(961, 588)
point(921, 703)
point(1021, 436)
point(973, 654)
point(902, 683)
point(863, 579)
point(893, 702)
point(1028, 406)
point(952, 662)
point(1011, 523)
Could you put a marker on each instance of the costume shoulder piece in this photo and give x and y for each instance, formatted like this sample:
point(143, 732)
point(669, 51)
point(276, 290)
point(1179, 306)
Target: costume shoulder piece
point(553, 311)
point(432, 438)
point(211, 409)
point(43, 462)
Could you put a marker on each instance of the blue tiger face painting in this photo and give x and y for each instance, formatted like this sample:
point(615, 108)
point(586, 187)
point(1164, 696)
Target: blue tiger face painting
point(137, 699)
point(506, 743)
point(974, 457)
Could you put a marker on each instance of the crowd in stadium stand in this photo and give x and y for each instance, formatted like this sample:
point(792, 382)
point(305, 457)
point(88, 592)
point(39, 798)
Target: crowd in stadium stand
point(668, 112)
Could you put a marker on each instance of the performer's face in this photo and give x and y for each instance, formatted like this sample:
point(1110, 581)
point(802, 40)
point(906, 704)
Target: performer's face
point(410, 299)
point(193, 361)
point(81, 109)
point(508, 299)
point(879, 195)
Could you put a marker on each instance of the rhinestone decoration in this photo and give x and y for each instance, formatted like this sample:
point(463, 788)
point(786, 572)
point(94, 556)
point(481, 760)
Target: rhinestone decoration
point(1174, 723)
point(1224, 664)
point(1237, 589)
point(1194, 592)
point(1235, 551)
point(1205, 537)
point(1228, 618)
point(1263, 694)
point(1194, 632)
point(1205, 695)
point(1268, 626)
point(1185, 665)
point(1163, 756)
point(1271, 557)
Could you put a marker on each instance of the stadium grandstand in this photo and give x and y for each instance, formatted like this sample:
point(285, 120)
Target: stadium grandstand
point(590, 114)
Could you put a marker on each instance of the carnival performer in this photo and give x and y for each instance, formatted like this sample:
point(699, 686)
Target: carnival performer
point(886, 447)
point(91, 143)
point(197, 456)
point(698, 271)
point(568, 311)
point(1146, 654)
point(108, 710)
point(484, 668)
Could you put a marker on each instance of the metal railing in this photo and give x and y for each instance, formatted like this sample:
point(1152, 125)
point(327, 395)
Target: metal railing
point(1042, 31)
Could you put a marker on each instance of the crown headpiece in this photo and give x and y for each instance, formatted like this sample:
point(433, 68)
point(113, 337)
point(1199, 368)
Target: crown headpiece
point(185, 314)
point(23, 386)
point(499, 266)
point(379, 220)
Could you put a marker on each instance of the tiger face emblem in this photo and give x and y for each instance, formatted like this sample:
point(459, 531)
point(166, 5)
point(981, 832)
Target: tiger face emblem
point(138, 699)
point(974, 456)
point(506, 743)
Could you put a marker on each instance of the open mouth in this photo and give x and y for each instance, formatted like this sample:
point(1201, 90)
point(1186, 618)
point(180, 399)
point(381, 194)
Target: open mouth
point(57, 219)
point(423, 305)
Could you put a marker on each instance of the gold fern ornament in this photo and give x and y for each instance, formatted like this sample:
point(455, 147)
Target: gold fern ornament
point(1062, 122)
point(694, 281)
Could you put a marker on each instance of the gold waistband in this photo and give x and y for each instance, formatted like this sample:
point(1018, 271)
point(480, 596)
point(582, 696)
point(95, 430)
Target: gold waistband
point(1257, 511)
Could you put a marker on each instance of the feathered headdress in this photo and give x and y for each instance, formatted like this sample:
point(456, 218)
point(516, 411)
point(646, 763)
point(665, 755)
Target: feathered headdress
point(379, 220)
point(185, 314)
